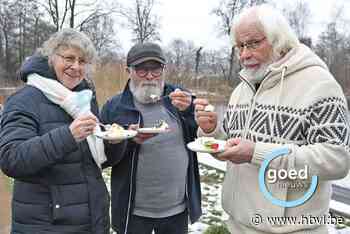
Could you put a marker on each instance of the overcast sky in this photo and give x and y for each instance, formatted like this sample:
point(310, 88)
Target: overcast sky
point(191, 20)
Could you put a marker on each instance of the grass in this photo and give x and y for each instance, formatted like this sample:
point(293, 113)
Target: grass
point(211, 176)
point(217, 229)
point(8, 182)
point(110, 79)
point(343, 225)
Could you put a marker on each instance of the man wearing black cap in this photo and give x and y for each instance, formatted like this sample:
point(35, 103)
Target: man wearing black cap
point(155, 182)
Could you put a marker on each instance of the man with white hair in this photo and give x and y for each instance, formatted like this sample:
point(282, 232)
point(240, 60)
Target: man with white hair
point(287, 100)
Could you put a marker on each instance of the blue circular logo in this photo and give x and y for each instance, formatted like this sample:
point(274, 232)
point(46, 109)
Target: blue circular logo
point(269, 157)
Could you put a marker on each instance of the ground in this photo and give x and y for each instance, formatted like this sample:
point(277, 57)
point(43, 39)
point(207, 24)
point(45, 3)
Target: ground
point(211, 200)
point(5, 201)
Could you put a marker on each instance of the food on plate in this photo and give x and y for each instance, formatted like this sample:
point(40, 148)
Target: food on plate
point(208, 143)
point(115, 130)
point(162, 125)
point(209, 108)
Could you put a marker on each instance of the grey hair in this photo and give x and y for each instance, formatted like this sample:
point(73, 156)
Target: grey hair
point(273, 24)
point(69, 38)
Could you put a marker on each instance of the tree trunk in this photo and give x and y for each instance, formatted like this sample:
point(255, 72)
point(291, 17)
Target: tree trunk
point(72, 12)
point(55, 15)
point(7, 52)
point(230, 71)
point(198, 57)
point(20, 37)
point(1, 48)
point(36, 34)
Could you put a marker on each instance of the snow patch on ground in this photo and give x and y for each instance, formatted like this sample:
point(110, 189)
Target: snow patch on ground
point(211, 180)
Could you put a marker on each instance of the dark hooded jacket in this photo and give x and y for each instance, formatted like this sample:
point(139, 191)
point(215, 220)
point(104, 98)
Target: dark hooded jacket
point(57, 186)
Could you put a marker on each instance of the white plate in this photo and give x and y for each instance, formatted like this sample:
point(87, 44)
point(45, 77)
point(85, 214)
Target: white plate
point(126, 135)
point(197, 147)
point(152, 130)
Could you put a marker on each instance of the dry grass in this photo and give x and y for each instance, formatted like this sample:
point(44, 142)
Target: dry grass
point(111, 79)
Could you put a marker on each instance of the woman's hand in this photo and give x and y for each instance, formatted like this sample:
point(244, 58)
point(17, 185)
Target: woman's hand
point(83, 126)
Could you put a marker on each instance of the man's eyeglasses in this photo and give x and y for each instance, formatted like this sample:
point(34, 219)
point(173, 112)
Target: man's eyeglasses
point(70, 60)
point(144, 71)
point(250, 45)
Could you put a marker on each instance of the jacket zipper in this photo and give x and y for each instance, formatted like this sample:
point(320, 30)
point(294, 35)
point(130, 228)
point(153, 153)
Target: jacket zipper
point(130, 188)
point(188, 198)
point(252, 101)
point(188, 206)
point(178, 116)
point(245, 132)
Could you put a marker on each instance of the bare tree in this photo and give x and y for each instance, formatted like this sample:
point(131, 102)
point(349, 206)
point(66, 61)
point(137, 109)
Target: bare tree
point(141, 20)
point(24, 11)
point(74, 14)
point(299, 17)
point(102, 33)
point(7, 26)
point(256, 2)
point(214, 62)
point(40, 30)
point(334, 48)
point(226, 12)
point(178, 50)
point(92, 11)
point(21, 31)
point(198, 58)
point(57, 15)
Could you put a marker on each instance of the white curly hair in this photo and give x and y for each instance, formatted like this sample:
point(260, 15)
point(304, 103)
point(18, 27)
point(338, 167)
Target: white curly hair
point(69, 38)
point(272, 24)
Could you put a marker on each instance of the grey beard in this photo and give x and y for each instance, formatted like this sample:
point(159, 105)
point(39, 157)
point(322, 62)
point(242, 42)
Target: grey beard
point(142, 92)
point(256, 76)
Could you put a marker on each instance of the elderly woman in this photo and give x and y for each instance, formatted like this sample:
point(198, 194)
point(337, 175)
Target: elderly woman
point(58, 186)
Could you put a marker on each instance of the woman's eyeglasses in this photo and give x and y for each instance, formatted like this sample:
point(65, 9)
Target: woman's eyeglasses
point(70, 60)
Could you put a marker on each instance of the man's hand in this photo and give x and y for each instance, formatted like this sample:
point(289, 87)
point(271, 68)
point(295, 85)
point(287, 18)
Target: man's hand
point(141, 137)
point(83, 126)
point(206, 120)
point(237, 151)
point(180, 99)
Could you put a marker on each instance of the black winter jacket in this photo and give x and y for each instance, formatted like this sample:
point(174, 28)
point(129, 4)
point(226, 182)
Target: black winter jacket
point(57, 188)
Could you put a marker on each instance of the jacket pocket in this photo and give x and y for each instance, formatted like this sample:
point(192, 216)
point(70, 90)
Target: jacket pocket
point(69, 212)
point(56, 203)
point(229, 184)
point(250, 201)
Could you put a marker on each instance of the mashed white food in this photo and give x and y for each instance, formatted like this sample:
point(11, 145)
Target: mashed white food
point(209, 108)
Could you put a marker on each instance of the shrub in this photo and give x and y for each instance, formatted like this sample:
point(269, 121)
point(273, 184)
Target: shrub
point(217, 229)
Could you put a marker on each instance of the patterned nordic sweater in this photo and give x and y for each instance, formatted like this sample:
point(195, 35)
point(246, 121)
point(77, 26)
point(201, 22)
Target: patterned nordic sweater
point(298, 105)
